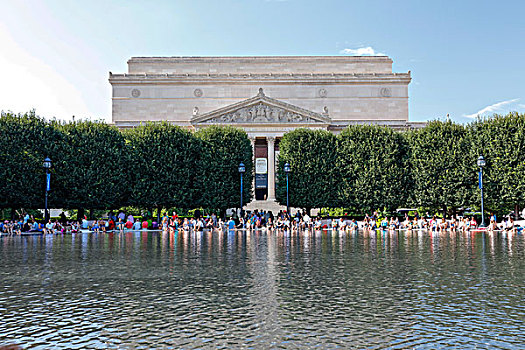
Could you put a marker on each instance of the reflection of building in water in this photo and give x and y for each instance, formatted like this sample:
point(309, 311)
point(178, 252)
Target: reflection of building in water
point(264, 288)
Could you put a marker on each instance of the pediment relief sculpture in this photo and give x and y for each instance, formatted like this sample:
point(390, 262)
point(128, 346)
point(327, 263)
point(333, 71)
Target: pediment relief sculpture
point(261, 113)
point(261, 109)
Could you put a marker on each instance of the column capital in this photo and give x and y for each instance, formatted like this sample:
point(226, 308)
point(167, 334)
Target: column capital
point(270, 139)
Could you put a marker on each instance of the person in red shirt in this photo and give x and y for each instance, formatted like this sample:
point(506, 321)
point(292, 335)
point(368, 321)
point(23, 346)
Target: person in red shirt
point(144, 225)
point(111, 225)
point(128, 225)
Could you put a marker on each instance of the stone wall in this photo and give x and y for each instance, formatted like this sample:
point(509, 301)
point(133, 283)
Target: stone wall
point(357, 88)
point(259, 65)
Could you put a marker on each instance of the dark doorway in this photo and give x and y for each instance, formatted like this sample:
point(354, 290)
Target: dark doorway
point(261, 179)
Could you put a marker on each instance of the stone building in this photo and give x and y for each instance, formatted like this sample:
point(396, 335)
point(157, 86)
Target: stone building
point(266, 96)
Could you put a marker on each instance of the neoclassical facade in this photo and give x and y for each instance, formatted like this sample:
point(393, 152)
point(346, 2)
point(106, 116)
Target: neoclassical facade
point(266, 96)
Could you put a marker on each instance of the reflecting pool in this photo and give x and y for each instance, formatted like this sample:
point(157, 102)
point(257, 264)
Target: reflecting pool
point(259, 290)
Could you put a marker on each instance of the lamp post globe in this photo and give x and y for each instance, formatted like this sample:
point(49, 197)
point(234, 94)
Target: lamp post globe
point(47, 165)
point(287, 170)
point(242, 170)
point(481, 164)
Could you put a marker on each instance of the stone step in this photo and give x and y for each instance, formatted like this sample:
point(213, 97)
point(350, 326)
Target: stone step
point(273, 206)
point(266, 205)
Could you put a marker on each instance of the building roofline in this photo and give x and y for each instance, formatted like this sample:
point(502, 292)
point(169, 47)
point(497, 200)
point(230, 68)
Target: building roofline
point(138, 59)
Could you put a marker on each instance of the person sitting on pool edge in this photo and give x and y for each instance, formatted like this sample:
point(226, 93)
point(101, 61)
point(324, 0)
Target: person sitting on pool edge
point(95, 228)
point(36, 227)
point(136, 225)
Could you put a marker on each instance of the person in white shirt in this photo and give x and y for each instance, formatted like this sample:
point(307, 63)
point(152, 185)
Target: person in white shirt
point(342, 224)
point(510, 225)
point(49, 228)
point(307, 221)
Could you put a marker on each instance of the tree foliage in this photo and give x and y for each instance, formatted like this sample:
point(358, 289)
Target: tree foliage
point(158, 165)
point(164, 163)
point(372, 163)
point(25, 141)
point(501, 140)
point(91, 169)
point(314, 180)
point(224, 148)
point(441, 164)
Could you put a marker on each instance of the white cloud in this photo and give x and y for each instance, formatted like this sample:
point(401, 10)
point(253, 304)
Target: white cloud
point(499, 107)
point(362, 51)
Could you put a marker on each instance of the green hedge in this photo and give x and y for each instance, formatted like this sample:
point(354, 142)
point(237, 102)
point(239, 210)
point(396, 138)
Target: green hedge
point(369, 167)
point(96, 166)
point(158, 165)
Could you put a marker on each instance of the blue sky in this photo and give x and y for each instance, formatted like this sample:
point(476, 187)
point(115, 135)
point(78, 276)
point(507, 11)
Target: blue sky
point(466, 57)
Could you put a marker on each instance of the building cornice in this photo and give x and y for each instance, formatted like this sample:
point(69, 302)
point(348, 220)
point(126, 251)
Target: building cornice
point(219, 59)
point(312, 78)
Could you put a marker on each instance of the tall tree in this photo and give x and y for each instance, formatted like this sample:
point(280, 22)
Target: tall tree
point(441, 166)
point(26, 140)
point(92, 170)
point(501, 140)
point(164, 166)
point(224, 148)
point(372, 161)
point(314, 179)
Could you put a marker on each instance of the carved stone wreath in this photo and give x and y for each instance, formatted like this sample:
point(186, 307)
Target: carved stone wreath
point(385, 92)
point(197, 93)
point(135, 92)
point(322, 92)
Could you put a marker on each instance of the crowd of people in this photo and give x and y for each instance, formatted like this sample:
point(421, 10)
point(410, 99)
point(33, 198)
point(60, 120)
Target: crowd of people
point(28, 223)
point(255, 220)
point(434, 224)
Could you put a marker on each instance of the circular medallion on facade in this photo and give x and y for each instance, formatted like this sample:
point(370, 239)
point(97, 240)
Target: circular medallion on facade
point(322, 92)
point(385, 92)
point(135, 92)
point(197, 92)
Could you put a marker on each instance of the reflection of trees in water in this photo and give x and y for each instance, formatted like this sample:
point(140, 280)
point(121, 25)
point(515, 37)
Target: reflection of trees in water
point(254, 289)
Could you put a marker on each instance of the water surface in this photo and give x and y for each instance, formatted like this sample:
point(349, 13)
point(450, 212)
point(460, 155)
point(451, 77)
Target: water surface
point(259, 290)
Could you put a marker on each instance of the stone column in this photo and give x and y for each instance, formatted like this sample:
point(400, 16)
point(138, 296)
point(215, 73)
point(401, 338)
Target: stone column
point(252, 139)
point(271, 168)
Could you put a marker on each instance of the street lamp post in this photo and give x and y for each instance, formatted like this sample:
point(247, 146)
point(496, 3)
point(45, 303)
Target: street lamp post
point(242, 170)
point(481, 164)
point(287, 170)
point(47, 165)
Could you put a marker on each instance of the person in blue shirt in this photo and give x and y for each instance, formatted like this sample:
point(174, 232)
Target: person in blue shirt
point(36, 227)
point(231, 224)
point(85, 223)
point(137, 225)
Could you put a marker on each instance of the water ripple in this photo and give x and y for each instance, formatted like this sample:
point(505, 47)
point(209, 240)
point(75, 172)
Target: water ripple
point(254, 290)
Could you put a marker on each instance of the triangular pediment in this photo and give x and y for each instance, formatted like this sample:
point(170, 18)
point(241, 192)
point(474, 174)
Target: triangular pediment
point(261, 109)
